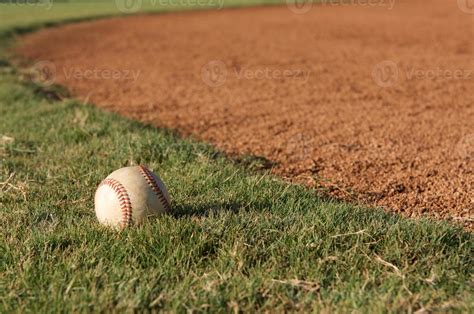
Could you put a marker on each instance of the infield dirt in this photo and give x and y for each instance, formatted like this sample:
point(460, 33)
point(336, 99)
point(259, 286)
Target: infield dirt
point(372, 104)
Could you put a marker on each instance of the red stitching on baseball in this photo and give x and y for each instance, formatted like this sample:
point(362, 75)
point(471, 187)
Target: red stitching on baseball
point(155, 187)
point(124, 199)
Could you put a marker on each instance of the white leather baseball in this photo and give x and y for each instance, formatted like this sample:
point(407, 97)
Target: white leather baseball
point(129, 196)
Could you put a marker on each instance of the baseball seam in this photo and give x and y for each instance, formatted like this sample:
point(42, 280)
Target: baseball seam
point(123, 198)
point(148, 175)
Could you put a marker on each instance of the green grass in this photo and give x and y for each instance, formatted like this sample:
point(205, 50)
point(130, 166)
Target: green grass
point(21, 17)
point(238, 238)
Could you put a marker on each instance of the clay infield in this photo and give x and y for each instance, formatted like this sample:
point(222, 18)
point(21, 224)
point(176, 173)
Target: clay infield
point(370, 104)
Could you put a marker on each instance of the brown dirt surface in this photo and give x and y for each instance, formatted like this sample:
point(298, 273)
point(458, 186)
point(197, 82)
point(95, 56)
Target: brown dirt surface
point(369, 104)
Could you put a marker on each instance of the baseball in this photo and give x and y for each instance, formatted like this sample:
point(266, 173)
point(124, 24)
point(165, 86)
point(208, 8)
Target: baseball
point(129, 196)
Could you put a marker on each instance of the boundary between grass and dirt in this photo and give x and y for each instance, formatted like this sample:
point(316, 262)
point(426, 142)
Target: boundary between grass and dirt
point(239, 239)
